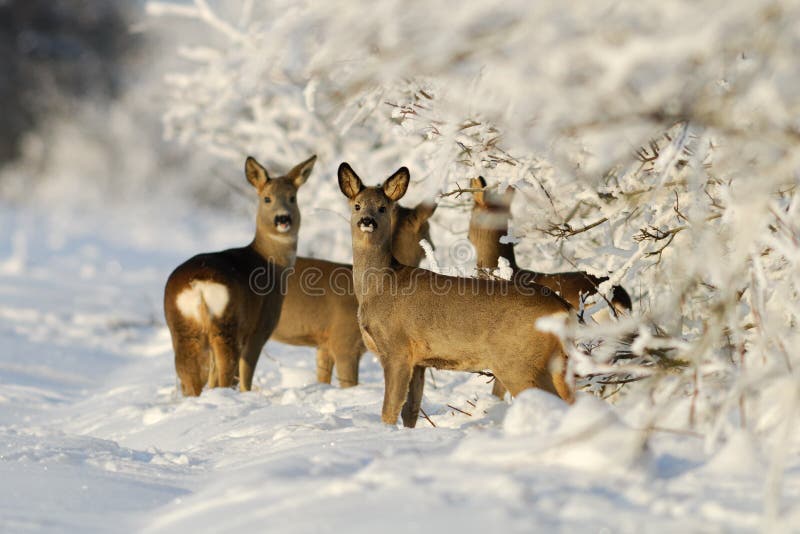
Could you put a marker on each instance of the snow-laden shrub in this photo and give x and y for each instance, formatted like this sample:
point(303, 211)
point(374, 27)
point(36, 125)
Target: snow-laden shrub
point(654, 142)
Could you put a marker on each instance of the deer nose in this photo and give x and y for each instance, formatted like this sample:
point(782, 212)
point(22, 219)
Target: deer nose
point(283, 222)
point(367, 224)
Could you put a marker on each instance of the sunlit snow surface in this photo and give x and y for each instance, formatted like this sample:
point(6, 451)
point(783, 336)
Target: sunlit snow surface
point(93, 436)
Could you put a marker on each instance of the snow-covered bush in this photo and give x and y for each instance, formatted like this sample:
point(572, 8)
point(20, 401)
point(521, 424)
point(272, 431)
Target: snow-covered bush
point(656, 142)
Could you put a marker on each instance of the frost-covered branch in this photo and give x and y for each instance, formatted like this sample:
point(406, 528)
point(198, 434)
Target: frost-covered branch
point(658, 145)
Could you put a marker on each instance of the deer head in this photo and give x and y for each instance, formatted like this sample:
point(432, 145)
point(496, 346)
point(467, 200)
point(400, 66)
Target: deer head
point(411, 226)
point(278, 214)
point(372, 208)
point(492, 207)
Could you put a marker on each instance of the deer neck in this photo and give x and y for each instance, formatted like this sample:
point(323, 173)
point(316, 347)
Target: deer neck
point(371, 264)
point(279, 249)
point(488, 248)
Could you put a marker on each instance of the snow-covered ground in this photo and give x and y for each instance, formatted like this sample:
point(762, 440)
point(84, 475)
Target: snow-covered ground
point(93, 436)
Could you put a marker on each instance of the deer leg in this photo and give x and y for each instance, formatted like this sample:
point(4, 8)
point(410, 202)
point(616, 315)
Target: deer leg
point(347, 347)
point(521, 377)
point(513, 384)
point(225, 356)
point(396, 380)
point(562, 388)
point(347, 370)
point(324, 365)
point(211, 371)
point(543, 379)
point(498, 389)
point(247, 364)
point(188, 353)
point(558, 371)
point(413, 403)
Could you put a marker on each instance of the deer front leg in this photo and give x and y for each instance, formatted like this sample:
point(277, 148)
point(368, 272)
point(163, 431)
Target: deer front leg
point(324, 365)
point(396, 376)
point(347, 349)
point(413, 403)
point(247, 364)
point(347, 369)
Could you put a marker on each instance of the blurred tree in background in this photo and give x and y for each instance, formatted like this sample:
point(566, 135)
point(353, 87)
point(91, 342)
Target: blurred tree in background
point(55, 53)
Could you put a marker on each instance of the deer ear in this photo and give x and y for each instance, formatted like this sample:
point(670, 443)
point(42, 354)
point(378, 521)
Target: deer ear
point(478, 183)
point(424, 211)
point(349, 182)
point(397, 184)
point(300, 173)
point(256, 174)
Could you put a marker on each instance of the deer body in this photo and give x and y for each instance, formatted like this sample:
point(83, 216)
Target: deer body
point(413, 318)
point(489, 222)
point(315, 314)
point(320, 308)
point(222, 307)
point(572, 286)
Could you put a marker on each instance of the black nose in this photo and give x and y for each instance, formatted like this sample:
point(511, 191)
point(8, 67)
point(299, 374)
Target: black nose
point(367, 221)
point(283, 219)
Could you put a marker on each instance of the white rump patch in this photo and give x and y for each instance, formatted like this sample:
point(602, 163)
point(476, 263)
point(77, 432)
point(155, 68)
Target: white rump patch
point(215, 296)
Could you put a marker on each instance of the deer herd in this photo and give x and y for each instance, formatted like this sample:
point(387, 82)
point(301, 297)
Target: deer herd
point(222, 307)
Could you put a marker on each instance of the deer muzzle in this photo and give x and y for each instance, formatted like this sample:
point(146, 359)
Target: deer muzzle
point(283, 223)
point(367, 224)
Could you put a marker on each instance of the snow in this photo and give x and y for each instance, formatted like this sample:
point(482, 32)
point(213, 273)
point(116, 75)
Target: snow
point(95, 438)
point(684, 193)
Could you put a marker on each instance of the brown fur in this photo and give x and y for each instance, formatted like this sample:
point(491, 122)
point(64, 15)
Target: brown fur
point(413, 318)
point(489, 222)
point(320, 308)
point(223, 341)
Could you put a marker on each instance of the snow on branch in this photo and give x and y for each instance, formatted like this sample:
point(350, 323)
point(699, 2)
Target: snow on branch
point(657, 144)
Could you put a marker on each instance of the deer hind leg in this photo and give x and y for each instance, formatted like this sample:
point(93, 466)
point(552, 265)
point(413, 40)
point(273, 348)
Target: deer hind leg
point(522, 377)
point(211, 370)
point(562, 388)
point(189, 351)
point(514, 383)
point(558, 374)
point(225, 355)
point(324, 365)
point(396, 376)
point(498, 389)
point(544, 380)
point(413, 403)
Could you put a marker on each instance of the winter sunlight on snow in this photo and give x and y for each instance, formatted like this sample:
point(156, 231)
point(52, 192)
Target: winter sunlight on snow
point(647, 152)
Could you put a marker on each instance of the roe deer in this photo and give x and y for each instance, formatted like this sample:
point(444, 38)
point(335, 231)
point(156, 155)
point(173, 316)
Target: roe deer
point(413, 318)
point(489, 222)
point(320, 308)
point(221, 307)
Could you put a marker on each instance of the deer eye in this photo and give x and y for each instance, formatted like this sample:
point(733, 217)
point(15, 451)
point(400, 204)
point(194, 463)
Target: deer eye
point(291, 199)
point(358, 207)
point(267, 200)
point(382, 209)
